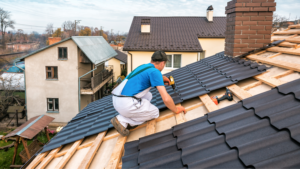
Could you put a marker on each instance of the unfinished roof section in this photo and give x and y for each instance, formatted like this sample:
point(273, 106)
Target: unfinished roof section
point(94, 47)
point(191, 81)
point(32, 127)
point(173, 33)
point(121, 56)
point(249, 133)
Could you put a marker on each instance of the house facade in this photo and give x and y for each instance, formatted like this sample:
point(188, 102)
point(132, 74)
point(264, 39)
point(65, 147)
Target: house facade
point(184, 39)
point(118, 63)
point(64, 77)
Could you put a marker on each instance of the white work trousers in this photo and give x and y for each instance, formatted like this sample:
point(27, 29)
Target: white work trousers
point(133, 112)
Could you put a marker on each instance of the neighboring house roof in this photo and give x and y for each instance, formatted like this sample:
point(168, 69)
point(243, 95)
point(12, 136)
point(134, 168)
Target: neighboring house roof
point(261, 131)
point(32, 127)
point(204, 76)
point(94, 47)
point(280, 105)
point(173, 33)
point(121, 56)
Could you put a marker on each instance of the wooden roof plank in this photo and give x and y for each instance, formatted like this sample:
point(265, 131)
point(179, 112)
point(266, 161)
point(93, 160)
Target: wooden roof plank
point(288, 44)
point(92, 152)
point(209, 104)
point(117, 153)
point(68, 155)
point(239, 92)
point(274, 62)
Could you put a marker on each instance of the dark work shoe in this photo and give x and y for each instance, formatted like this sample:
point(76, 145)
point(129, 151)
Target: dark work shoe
point(129, 127)
point(119, 127)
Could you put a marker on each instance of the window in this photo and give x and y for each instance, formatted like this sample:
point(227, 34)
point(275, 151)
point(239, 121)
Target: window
point(51, 72)
point(62, 53)
point(202, 55)
point(174, 61)
point(52, 104)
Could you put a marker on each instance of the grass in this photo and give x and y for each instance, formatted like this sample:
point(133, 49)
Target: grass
point(6, 156)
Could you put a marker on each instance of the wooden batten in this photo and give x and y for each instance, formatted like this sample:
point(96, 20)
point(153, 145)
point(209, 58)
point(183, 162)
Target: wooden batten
point(180, 117)
point(117, 153)
point(291, 51)
point(283, 74)
point(208, 103)
point(274, 62)
point(49, 157)
point(272, 56)
point(92, 152)
point(268, 80)
point(288, 44)
point(150, 128)
point(239, 92)
point(37, 160)
point(252, 85)
point(68, 155)
point(287, 32)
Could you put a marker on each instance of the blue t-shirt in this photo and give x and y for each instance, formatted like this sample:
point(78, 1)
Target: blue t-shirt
point(150, 77)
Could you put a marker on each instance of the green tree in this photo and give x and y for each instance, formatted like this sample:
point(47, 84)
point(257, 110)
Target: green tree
point(57, 33)
point(85, 32)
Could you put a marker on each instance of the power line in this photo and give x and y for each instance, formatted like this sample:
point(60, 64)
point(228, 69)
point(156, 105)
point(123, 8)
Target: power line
point(34, 25)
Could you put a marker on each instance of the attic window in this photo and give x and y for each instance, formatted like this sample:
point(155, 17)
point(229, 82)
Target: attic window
point(145, 26)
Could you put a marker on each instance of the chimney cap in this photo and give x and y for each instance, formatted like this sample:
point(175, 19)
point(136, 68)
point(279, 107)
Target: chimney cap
point(210, 8)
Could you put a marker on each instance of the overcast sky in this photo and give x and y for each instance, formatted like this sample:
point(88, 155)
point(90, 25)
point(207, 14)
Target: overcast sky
point(34, 15)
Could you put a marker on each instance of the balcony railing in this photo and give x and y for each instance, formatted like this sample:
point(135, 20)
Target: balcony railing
point(100, 79)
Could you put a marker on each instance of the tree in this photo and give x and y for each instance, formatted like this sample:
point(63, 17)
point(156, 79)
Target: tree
point(85, 32)
point(6, 22)
point(102, 33)
point(278, 20)
point(49, 29)
point(69, 28)
point(57, 33)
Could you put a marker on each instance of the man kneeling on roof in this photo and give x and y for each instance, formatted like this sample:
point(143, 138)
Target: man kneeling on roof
point(132, 97)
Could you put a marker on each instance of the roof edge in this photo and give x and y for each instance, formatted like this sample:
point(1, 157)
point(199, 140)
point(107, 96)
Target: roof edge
point(44, 48)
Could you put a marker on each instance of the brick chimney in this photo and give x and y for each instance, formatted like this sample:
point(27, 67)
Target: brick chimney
point(53, 40)
point(249, 24)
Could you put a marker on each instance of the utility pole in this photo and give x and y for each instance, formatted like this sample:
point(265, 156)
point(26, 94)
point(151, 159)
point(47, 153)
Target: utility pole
point(111, 35)
point(76, 21)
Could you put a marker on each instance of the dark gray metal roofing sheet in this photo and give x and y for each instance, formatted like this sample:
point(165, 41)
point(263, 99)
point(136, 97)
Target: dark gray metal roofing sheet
point(191, 81)
point(173, 33)
point(261, 131)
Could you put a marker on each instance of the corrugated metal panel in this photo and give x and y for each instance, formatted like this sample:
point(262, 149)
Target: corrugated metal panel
point(251, 133)
point(95, 48)
point(32, 127)
point(191, 81)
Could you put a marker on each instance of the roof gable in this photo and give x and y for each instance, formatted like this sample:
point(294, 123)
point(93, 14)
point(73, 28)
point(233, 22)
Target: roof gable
point(94, 47)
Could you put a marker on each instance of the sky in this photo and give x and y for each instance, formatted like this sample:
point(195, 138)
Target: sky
point(34, 15)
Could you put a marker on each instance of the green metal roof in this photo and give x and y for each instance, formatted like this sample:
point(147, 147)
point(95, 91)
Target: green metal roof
point(94, 47)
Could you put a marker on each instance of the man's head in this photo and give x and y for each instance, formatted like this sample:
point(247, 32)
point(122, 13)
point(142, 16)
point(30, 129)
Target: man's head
point(159, 59)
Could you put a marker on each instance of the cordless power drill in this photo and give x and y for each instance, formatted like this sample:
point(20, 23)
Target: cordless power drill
point(227, 95)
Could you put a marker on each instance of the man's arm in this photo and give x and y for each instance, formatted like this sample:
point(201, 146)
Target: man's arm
point(169, 101)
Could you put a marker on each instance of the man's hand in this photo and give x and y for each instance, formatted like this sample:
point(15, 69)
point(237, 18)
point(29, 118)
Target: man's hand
point(180, 109)
point(166, 80)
